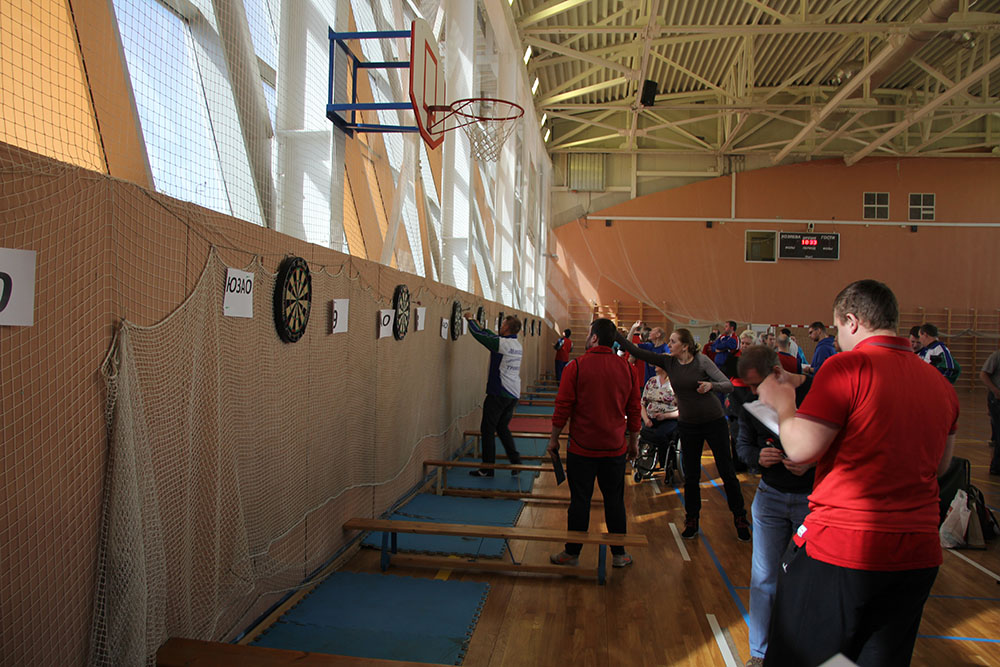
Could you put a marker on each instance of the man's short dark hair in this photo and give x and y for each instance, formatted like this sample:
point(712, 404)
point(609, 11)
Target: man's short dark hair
point(567, 333)
point(605, 331)
point(732, 325)
point(915, 330)
point(712, 336)
point(514, 324)
point(818, 325)
point(760, 358)
point(872, 302)
point(786, 331)
point(929, 329)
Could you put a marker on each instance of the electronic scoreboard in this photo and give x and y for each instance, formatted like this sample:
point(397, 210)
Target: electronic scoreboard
point(795, 245)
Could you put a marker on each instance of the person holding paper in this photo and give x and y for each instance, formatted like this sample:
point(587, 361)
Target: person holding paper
point(599, 396)
point(863, 561)
point(782, 498)
point(503, 388)
point(700, 419)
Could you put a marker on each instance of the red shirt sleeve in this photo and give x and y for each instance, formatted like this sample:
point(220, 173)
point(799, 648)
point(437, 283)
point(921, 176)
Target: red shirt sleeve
point(832, 393)
point(566, 396)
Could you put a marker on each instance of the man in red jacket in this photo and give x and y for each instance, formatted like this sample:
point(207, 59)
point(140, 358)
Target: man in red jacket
point(597, 394)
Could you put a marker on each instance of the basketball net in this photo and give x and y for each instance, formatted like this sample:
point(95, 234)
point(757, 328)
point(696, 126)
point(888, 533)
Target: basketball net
point(486, 121)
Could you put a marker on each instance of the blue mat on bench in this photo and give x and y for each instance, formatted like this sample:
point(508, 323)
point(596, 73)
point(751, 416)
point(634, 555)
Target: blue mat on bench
point(453, 509)
point(382, 616)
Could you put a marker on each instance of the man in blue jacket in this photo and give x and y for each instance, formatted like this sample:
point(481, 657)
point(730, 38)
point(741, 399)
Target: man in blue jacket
point(503, 388)
point(725, 348)
point(824, 345)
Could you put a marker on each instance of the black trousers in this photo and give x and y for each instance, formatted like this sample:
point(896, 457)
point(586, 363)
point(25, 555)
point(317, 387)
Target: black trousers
point(693, 438)
point(610, 474)
point(497, 411)
point(821, 610)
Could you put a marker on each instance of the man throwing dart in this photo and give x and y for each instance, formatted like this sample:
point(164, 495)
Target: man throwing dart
point(503, 388)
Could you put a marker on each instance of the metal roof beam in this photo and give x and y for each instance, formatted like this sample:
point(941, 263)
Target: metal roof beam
point(580, 55)
point(845, 91)
point(697, 77)
point(769, 10)
point(570, 94)
point(548, 10)
point(983, 71)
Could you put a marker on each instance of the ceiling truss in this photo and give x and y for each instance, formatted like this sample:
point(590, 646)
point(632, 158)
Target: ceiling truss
point(786, 79)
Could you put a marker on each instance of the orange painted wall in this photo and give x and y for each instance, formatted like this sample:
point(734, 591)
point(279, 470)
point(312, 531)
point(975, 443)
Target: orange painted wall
point(699, 273)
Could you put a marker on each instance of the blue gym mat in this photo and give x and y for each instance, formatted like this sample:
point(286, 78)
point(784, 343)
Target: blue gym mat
point(534, 409)
point(453, 509)
point(459, 478)
point(531, 446)
point(382, 616)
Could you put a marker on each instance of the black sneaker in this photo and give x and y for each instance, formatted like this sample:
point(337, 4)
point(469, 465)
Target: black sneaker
point(742, 528)
point(690, 528)
point(480, 473)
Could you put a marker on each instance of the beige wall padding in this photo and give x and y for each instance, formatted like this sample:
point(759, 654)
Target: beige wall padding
point(233, 457)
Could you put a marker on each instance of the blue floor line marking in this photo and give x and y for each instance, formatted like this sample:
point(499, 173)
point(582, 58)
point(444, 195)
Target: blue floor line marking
point(961, 639)
point(722, 570)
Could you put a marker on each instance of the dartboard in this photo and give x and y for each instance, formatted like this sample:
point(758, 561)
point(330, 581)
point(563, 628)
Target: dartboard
point(499, 320)
point(532, 327)
point(401, 302)
point(481, 316)
point(456, 320)
point(292, 299)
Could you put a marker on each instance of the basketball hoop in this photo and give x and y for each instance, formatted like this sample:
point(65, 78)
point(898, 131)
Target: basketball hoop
point(486, 121)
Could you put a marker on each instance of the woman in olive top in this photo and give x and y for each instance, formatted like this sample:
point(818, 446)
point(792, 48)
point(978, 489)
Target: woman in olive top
point(695, 379)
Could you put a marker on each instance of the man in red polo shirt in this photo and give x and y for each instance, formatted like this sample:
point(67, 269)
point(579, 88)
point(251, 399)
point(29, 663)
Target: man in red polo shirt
point(598, 394)
point(862, 564)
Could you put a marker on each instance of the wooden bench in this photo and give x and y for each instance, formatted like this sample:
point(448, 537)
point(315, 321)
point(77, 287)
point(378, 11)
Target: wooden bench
point(442, 489)
point(390, 528)
point(177, 652)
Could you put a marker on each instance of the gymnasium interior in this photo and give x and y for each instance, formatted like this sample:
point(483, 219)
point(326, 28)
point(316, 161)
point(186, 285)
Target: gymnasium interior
point(239, 238)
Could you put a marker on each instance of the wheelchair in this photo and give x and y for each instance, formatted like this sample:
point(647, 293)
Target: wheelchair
point(658, 450)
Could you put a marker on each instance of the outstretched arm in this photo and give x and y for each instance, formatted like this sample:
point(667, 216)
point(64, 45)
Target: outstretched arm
point(648, 356)
point(487, 338)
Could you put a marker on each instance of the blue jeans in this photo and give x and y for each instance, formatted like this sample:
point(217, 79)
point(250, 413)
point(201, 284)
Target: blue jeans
point(776, 517)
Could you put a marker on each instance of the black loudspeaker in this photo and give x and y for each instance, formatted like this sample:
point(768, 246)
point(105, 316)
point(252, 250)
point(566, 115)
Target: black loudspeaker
point(648, 97)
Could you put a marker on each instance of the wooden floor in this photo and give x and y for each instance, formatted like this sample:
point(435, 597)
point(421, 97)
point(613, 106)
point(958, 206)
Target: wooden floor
point(661, 610)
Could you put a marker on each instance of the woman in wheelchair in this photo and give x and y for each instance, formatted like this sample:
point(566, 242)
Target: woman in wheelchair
point(657, 439)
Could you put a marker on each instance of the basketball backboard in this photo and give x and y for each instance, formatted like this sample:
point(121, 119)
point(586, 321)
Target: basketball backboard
point(427, 91)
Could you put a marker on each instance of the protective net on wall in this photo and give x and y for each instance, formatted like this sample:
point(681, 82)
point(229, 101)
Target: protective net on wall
point(232, 458)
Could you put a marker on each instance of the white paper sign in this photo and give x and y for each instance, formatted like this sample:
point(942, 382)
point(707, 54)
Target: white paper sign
point(421, 318)
point(338, 316)
point(386, 317)
point(445, 328)
point(17, 287)
point(238, 298)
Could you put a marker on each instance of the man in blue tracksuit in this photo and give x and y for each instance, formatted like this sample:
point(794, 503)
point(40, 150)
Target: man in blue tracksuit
point(725, 348)
point(824, 345)
point(503, 388)
point(937, 353)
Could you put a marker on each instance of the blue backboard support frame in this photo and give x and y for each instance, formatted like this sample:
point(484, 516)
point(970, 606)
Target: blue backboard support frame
point(345, 115)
